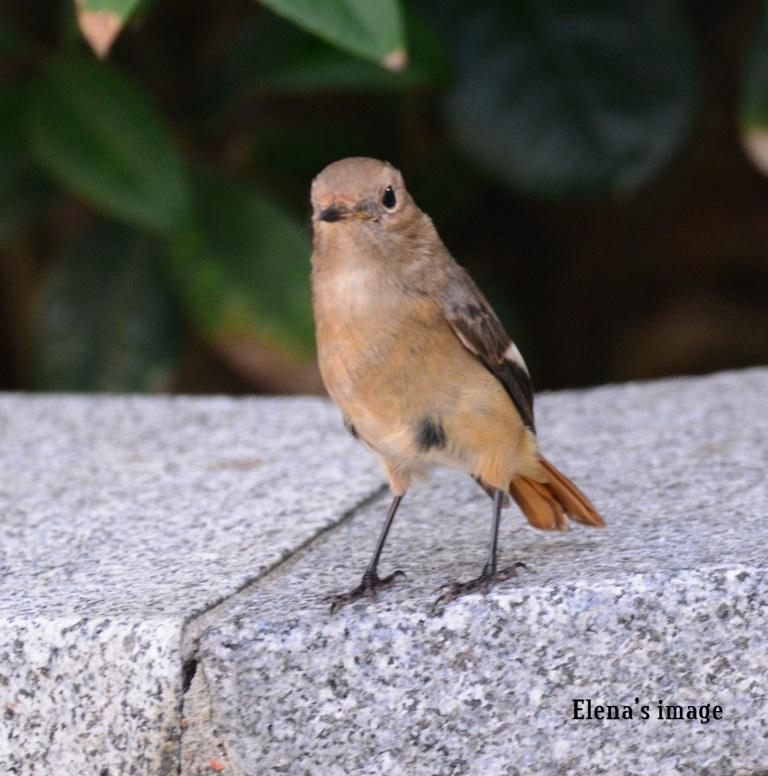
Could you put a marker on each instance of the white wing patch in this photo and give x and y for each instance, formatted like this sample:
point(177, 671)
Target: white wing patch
point(513, 354)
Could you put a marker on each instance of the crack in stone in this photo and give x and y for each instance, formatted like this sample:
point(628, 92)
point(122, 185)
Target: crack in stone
point(194, 625)
point(189, 669)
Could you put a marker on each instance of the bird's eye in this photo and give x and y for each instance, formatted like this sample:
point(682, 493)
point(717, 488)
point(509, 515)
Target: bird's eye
point(388, 198)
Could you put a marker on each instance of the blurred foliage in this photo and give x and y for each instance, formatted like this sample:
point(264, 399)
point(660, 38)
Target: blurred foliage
point(754, 98)
point(581, 156)
point(574, 97)
point(106, 325)
point(95, 133)
point(231, 269)
point(372, 29)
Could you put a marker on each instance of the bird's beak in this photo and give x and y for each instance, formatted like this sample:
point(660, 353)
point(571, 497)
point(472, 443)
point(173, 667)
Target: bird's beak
point(361, 212)
point(333, 213)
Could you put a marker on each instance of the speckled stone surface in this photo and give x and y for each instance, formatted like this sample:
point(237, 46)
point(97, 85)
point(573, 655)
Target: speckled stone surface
point(123, 519)
point(669, 602)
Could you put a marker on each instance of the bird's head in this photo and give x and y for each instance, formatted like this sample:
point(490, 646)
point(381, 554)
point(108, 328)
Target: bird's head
point(361, 191)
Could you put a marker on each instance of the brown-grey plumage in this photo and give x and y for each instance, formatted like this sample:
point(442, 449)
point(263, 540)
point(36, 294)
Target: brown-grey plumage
point(480, 331)
point(417, 360)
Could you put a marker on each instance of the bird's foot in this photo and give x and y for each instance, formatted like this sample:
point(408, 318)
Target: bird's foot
point(368, 587)
point(483, 583)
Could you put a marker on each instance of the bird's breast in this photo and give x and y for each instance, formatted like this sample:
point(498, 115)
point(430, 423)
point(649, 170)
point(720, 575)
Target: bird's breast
point(373, 341)
point(357, 315)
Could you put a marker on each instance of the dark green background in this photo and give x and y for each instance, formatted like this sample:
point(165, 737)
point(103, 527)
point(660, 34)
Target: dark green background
point(585, 159)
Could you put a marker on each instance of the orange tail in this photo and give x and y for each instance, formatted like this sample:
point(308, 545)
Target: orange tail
point(548, 505)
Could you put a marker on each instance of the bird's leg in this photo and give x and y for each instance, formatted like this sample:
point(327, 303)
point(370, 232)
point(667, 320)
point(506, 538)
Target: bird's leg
point(489, 574)
point(371, 580)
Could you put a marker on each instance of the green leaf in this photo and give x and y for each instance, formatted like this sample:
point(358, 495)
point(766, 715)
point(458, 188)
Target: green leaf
point(274, 57)
point(123, 9)
point(97, 134)
point(574, 97)
point(243, 269)
point(753, 107)
point(106, 320)
point(372, 29)
point(101, 21)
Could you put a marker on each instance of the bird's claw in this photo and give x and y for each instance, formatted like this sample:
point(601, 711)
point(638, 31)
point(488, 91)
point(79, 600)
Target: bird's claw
point(368, 587)
point(510, 571)
point(482, 583)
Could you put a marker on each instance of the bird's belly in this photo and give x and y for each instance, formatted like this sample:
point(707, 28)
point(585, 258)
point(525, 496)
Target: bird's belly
point(417, 397)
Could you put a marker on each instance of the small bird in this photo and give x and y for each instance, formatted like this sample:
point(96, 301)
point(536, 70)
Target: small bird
point(419, 364)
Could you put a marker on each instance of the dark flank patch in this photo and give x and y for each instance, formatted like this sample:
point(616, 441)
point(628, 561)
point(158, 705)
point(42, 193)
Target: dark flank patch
point(430, 433)
point(350, 427)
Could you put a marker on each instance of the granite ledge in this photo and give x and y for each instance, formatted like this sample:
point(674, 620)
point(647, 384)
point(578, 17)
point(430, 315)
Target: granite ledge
point(670, 602)
point(670, 599)
point(122, 519)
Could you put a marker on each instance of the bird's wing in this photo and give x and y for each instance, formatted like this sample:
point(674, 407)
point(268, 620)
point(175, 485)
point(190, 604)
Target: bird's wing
point(480, 331)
